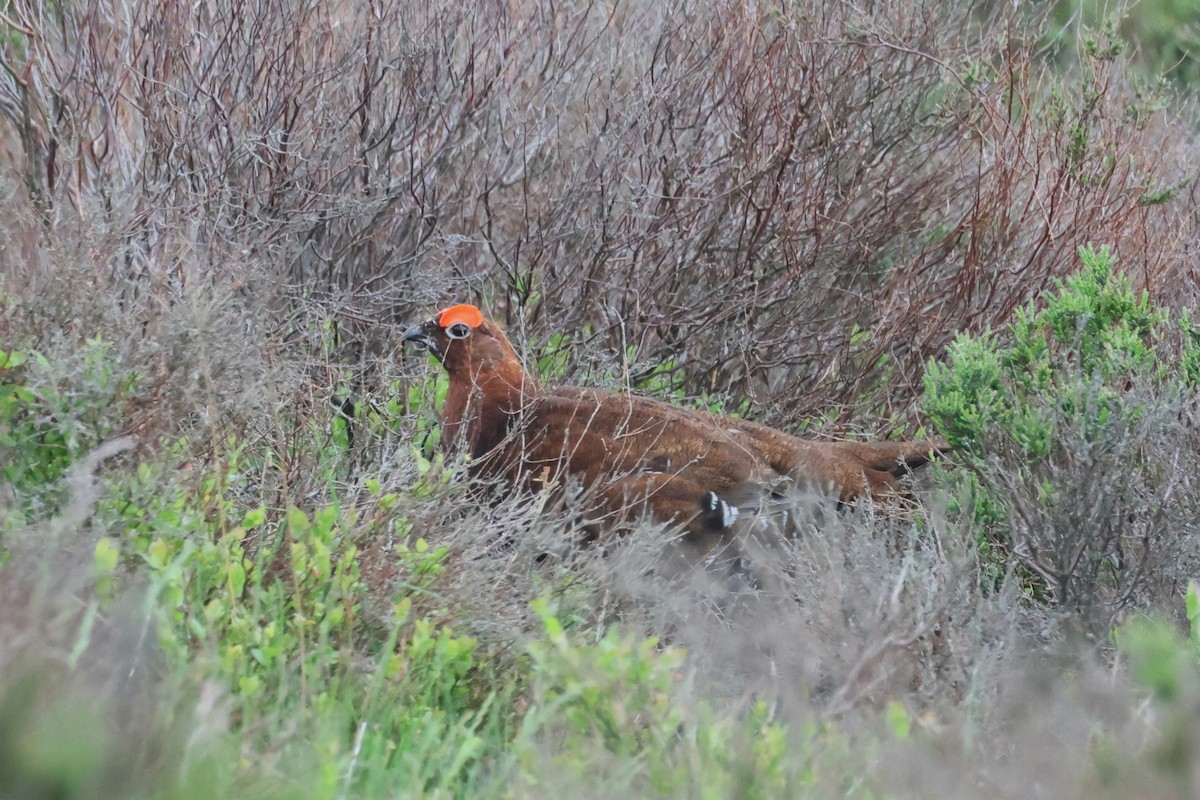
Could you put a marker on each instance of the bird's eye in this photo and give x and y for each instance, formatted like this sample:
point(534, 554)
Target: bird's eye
point(459, 330)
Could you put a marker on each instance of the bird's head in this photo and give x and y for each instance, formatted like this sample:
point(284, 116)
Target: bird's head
point(466, 342)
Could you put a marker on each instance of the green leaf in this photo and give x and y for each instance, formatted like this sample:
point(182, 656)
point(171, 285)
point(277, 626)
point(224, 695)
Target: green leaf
point(297, 520)
point(8, 360)
point(214, 611)
point(237, 578)
point(1193, 609)
point(254, 517)
point(84, 638)
point(249, 685)
point(105, 556)
point(158, 554)
point(897, 720)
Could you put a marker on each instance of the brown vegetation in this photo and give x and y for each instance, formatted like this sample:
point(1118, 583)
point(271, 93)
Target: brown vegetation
point(794, 206)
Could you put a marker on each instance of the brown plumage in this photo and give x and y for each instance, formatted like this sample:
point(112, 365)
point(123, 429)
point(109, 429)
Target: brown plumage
point(632, 454)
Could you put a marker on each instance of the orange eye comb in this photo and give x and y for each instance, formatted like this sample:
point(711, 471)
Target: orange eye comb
point(469, 315)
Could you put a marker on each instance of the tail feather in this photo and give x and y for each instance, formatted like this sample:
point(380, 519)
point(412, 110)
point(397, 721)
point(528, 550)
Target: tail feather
point(897, 458)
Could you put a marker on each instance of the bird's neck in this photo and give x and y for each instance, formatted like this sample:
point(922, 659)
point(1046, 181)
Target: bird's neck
point(484, 404)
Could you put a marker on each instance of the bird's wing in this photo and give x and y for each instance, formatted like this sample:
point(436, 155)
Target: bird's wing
point(641, 454)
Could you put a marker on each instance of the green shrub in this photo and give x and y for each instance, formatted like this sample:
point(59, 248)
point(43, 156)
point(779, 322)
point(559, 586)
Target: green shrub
point(52, 412)
point(619, 713)
point(269, 605)
point(1080, 355)
point(1165, 670)
point(1075, 422)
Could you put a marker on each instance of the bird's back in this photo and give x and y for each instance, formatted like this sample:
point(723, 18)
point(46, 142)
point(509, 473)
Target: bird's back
point(593, 433)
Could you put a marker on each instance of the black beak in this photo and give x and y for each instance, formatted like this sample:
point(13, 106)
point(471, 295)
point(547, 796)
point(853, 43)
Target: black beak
point(416, 334)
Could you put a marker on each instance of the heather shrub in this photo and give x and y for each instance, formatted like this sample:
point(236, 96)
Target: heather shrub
point(1078, 423)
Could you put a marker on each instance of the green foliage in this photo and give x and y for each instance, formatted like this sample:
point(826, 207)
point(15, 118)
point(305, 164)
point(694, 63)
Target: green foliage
point(615, 709)
point(618, 690)
point(56, 749)
point(897, 720)
point(53, 412)
point(270, 605)
point(424, 400)
point(1076, 106)
point(1046, 414)
point(1163, 33)
point(1160, 659)
point(966, 395)
point(555, 358)
point(617, 712)
point(1189, 359)
point(1165, 670)
point(331, 701)
point(1070, 362)
point(422, 562)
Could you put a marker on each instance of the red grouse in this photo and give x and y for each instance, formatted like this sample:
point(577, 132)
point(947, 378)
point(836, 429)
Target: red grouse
point(634, 455)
